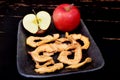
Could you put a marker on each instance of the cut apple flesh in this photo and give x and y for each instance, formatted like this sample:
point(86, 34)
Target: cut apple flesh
point(30, 23)
point(37, 22)
point(44, 19)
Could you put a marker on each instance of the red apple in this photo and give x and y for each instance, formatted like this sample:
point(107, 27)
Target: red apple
point(66, 17)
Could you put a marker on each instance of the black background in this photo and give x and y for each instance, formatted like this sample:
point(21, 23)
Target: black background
point(101, 17)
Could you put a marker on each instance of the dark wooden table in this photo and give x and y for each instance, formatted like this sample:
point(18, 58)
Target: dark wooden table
point(101, 18)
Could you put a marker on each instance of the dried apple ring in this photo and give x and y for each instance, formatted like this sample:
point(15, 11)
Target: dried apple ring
point(38, 65)
point(84, 39)
point(37, 41)
point(74, 66)
point(63, 56)
point(49, 69)
point(39, 58)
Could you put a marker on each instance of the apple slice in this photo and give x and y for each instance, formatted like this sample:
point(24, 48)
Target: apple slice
point(30, 23)
point(37, 23)
point(44, 19)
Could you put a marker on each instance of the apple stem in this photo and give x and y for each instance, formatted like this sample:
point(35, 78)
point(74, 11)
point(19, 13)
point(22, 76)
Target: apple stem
point(69, 7)
point(35, 16)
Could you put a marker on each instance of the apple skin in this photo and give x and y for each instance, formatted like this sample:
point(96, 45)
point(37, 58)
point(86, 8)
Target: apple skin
point(66, 17)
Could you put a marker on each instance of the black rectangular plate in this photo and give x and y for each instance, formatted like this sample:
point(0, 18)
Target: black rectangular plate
point(25, 64)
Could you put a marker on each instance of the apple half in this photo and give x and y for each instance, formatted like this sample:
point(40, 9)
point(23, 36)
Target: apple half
point(37, 23)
